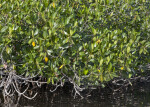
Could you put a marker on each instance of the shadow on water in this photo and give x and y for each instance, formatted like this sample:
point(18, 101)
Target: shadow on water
point(139, 96)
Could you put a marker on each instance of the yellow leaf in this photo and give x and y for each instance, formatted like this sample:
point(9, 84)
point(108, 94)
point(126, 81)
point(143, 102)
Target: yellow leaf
point(98, 41)
point(33, 44)
point(122, 68)
point(46, 59)
point(61, 66)
point(53, 5)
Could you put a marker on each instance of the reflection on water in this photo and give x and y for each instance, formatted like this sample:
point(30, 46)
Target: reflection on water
point(138, 97)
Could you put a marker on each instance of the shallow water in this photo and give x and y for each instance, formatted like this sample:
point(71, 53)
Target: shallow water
point(139, 97)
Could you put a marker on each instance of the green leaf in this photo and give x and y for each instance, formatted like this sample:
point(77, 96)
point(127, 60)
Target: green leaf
point(49, 52)
point(52, 81)
point(92, 46)
point(110, 66)
point(8, 50)
point(128, 49)
point(4, 28)
point(80, 48)
point(76, 36)
point(108, 59)
point(36, 47)
point(75, 24)
point(65, 41)
point(68, 19)
point(130, 75)
point(30, 41)
point(141, 50)
point(28, 21)
point(93, 31)
point(71, 32)
point(101, 62)
point(85, 72)
point(49, 80)
point(111, 14)
point(128, 69)
point(36, 32)
point(81, 53)
point(45, 34)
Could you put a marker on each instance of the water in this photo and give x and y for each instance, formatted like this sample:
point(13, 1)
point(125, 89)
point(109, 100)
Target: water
point(138, 97)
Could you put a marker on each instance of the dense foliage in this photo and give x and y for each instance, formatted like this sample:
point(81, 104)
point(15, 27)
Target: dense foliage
point(90, 41)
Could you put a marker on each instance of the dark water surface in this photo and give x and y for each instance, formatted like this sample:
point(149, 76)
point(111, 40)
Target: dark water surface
point(139, 97)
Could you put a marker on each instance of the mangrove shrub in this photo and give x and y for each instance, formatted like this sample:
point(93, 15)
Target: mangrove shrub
point(88, 41)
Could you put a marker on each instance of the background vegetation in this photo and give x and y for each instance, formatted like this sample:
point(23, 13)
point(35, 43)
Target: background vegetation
point(86, 42)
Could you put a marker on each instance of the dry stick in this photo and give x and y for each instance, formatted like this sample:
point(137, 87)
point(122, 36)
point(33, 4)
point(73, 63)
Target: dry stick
point(55, 88)
point(61, 84)
point(23, 93)
point(30, 98)
point(17, 88)
point(76, 87)
point(26, 78)
point(8, 83)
